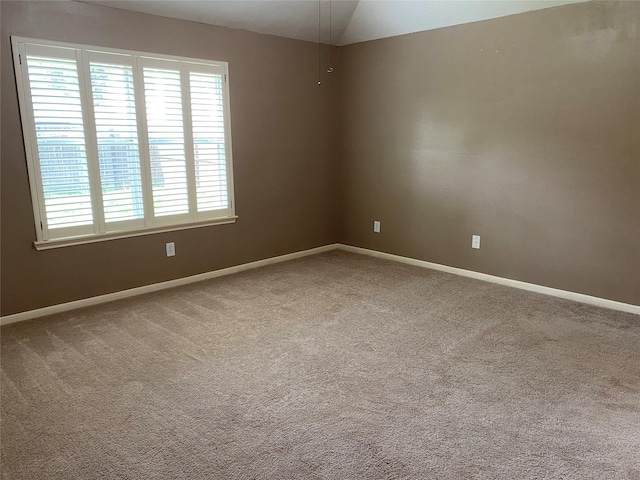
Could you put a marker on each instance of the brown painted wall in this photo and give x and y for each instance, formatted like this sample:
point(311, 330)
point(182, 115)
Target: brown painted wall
point(524, 130)
point(284, 141)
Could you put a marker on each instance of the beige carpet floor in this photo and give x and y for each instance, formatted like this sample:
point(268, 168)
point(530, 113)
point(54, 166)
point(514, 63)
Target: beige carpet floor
point(336, 366)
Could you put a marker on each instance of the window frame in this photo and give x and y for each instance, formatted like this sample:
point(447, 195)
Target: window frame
point(151, 224)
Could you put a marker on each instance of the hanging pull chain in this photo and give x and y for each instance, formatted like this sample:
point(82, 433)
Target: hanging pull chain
point(319, 47)
point(330, 69)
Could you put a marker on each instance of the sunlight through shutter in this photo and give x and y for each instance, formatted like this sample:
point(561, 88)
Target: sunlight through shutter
point(57, 112)
point(166, 141)
point(117, 137)
point(207, 111)
point(120, 141)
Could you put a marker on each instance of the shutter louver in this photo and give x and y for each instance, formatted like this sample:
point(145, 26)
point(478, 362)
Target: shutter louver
point(207, 111)
point(166, 141)
point(60, 138)
point(117, 138)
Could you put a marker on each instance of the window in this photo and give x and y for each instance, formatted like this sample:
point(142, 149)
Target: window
point(121, 143)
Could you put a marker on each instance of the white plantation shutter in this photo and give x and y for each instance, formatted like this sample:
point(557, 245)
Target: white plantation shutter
point(207, 111)
point(119, 141)
point(163, 101)
point(60, 138)
point(116, 127)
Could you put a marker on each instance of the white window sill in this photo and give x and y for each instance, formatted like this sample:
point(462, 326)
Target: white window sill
point(68, 242)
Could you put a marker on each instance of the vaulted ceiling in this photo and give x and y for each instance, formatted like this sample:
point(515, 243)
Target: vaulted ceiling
point(351, 21)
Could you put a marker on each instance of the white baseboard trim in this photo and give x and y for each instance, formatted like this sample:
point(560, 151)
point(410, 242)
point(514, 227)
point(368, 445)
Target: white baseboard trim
point(109, 297)
point(554, 292)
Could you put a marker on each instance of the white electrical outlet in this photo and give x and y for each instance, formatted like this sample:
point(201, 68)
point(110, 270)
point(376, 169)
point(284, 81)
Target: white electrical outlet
point(475, 241)
point(171, 249)
point(376, 226)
